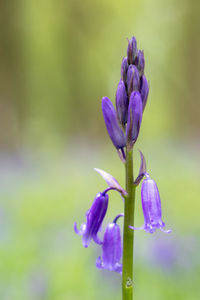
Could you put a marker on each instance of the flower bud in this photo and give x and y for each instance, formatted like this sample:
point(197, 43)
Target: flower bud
point(133, 79)
point(110, 117)
point(132, 50)
point(124, 69)
point(140, 62)
point(144, 91)
point(134, 118)
point(121, 103)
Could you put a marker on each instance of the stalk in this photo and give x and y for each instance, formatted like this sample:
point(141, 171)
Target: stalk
point(128, 234)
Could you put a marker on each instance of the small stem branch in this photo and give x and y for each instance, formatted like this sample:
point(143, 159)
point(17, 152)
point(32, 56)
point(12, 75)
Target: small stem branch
point(128, 235)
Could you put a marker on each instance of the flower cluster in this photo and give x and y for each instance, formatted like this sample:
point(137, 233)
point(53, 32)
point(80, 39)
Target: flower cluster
point(123, 126)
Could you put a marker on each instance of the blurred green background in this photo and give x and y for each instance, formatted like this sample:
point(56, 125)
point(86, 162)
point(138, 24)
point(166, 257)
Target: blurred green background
point(57, 60)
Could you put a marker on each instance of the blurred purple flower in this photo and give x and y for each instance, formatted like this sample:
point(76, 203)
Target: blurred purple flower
point(151, 206)
point(111, 248)
point(94, 219)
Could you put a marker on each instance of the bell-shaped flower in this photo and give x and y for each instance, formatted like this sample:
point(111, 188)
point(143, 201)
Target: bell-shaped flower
point(121, 103)
point(134, 118)
point(111, 248)
point(151, 206)
point(114, 130)
point(94, 218)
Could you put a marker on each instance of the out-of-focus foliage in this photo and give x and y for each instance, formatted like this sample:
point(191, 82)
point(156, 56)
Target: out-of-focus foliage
point(57, 60)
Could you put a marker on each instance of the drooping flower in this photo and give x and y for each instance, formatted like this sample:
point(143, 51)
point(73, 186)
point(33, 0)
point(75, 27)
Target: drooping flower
point(110, 117)
point(151, 206)
point(94, 218)
point(121, 103)
point(134, 118)
point(111, 248)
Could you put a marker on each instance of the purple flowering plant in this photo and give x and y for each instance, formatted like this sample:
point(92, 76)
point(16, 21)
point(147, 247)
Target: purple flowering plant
point(123, 126)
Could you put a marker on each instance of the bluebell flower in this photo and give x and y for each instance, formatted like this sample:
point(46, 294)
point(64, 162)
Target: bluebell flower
point(151, 206)
point(94, 218)
point(111, 248)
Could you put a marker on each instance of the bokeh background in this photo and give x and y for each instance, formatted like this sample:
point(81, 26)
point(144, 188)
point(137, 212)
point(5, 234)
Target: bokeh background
point(57, 60)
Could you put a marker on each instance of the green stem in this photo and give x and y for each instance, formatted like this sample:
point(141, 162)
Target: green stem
point(128, 235)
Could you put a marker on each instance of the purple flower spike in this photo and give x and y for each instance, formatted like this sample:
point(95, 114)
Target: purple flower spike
point(110, 117)
point(151, 206)
point(124, 69)
point(121, 103)
point(94, 219)
point(111, 249)
point(144, 91)
point(133, 79)
point(140, 62)
point(132, 50)
point(134, 118)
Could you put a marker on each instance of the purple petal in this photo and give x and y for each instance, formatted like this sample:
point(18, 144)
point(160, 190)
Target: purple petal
point(111, 181)
point(133, 79)
point(121, 103)
point(132, 50)
point(134, 118)
point(144, 90)
point(140, 62)
point(110, 117)
point(124, 69)
point(82, 229)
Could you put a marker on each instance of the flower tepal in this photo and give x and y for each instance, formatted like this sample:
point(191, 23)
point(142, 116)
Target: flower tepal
point(111, 248)
point(151, 206)
point(110, 117)
point(94, 219)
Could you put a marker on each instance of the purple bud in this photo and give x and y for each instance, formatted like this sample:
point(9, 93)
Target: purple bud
point(134, 118)
point(151, 206)
point(111, 249)
point(124, 69)
point(140, 62)
point(110, 117)
point(144, 91)
point(94, 219)
point(133, 79)
point(132, 50)
point(121, 103)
